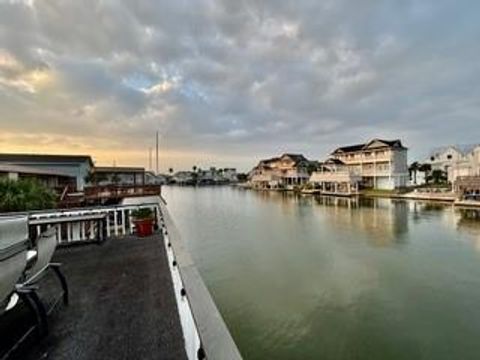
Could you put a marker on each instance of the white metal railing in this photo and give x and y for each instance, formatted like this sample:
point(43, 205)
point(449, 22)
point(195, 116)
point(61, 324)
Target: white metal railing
point(205, 333)
point(190, 332)
point(89, 224)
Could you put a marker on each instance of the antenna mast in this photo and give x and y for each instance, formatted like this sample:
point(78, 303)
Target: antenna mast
point(156, 153)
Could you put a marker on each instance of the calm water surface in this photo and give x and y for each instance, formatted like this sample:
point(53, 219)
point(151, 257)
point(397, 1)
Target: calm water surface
point(324, 278)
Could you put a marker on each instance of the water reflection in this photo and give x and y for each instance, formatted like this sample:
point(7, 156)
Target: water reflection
point(382, 222)
point(303, 277)
point(469, 222)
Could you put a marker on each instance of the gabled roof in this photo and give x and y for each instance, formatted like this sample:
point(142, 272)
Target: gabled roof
point(350, 148)
point(295, 157)
point(333, 161)
point(360, 147)
point(23, 158)
point(462, 149)
point(268, 161)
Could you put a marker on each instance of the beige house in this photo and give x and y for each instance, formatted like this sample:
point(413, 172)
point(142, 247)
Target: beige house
point(284, 172)
point(445, 158)
point(467, 165)
point(381, 164)
point(335, 177)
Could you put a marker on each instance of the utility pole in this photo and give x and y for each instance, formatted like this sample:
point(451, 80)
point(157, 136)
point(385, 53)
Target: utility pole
point(150, 158)
point(157, 154)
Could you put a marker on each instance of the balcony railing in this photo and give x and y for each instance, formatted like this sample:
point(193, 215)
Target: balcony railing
point(120, 191)
point(335, 176)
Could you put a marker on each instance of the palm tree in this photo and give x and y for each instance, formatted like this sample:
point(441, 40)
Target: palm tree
point(413, 168)
point(426, 168)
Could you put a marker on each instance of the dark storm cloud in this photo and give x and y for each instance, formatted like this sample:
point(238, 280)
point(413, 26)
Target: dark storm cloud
point(242, 77)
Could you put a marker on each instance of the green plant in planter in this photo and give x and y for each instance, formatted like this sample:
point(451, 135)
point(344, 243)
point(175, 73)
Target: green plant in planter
point(142, 214)
point(25, 195)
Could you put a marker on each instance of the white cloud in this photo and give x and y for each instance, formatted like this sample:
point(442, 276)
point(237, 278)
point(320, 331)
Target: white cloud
point(228, 77)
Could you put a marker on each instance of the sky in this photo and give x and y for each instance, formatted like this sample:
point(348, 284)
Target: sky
point(227, 83)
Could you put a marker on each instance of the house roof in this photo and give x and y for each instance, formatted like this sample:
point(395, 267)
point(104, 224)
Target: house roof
point(12, 168)
point(119, 169)
point(16, 158)
point(360, 147)
point(333, 161)
point(268, 161)
point(462, 149)
point(295, 157)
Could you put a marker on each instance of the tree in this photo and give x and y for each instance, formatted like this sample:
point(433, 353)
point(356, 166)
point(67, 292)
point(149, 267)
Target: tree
point(25, 195)
point(170, 170)
point(425, 168)
point(194, 168)
point(413, 169)
point(437, 177)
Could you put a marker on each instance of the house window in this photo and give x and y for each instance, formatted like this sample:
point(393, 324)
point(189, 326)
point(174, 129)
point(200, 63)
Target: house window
point(432, 158)
point(449, 157)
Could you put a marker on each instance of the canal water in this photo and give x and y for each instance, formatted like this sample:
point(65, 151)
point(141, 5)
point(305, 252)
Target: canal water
point(302, 277)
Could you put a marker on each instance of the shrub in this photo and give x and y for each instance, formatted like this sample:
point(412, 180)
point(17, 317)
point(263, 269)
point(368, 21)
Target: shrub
point(144, 213)
point(25, 195)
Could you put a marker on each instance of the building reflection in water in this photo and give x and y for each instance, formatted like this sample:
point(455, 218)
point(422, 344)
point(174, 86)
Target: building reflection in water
point(383, 221)
point(468, 221)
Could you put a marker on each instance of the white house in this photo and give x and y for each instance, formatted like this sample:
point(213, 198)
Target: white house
point(119, 175)
point(286, 171)
point(335, 177)
point(184, 178)
point(382, 164)
point(456, 160)
point(230, 174)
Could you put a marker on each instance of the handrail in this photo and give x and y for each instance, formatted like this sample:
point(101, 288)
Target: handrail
point(216, 340)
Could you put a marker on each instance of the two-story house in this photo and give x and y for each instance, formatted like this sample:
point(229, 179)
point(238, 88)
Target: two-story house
point(468, 165)
point(382, 164)
point(335, 177)
point(444, 158)
point(285, 172)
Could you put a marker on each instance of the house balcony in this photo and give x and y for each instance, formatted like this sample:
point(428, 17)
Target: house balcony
point(367, 159)
point(146, 290)
point(375, 172)
point(335, 176)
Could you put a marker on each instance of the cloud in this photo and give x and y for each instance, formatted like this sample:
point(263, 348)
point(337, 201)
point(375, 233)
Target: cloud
point(239, 80)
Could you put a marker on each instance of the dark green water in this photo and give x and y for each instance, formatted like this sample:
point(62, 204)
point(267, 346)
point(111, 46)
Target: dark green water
point(323, 278)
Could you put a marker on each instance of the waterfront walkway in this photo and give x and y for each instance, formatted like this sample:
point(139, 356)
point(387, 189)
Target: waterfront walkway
point(122, 305)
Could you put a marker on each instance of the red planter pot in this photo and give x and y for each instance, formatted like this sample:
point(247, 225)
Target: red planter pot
point(143, 227)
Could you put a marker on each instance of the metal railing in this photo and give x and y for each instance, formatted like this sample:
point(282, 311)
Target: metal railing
point(206, 334)
point(119, 191)
point(91, 223)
